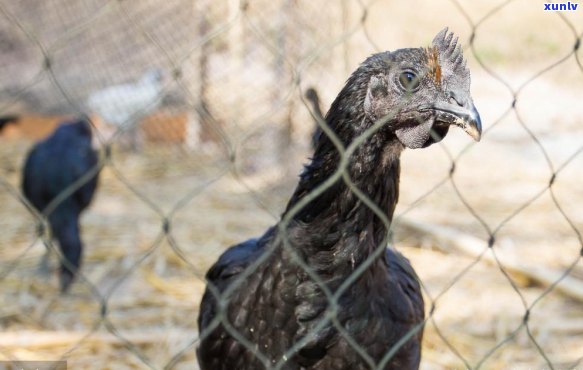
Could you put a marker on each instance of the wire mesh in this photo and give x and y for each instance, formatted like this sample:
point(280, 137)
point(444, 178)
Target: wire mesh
point(222, 141)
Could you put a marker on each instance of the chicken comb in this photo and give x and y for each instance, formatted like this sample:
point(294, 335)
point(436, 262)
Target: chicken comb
point(449, 53)
point(433, 63)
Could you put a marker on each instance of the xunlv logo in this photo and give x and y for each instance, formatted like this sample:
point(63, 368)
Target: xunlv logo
point(561, 6)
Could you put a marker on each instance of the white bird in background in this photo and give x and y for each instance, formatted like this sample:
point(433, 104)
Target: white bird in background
point(123, 106)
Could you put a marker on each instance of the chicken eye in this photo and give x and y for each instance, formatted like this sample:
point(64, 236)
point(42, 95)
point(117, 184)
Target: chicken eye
point(409, 81)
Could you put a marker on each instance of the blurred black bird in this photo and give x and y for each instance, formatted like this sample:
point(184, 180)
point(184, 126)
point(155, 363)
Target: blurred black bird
point(284, 315)
point(52, 167)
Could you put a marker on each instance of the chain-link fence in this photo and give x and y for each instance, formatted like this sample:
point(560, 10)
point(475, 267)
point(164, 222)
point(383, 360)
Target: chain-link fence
point(206, 154)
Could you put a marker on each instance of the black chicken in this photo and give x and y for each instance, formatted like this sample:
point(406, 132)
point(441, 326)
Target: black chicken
point(52, 167)
point(420, 93)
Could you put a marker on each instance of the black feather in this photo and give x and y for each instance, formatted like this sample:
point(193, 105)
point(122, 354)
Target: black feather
point(314, 99)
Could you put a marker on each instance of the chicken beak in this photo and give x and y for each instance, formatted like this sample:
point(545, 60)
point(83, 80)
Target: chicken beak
point(473, 124)
point(466, 117)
